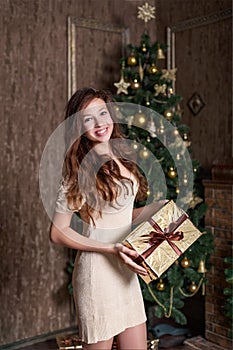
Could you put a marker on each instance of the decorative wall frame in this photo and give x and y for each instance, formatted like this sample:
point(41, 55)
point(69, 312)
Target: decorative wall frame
point(189, 24)
point(73, 24)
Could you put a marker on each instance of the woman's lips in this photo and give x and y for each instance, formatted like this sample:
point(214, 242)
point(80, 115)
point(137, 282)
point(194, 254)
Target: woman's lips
point(101, 132)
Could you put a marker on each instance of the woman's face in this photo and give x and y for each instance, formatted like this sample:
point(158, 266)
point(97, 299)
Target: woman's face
point(97, 122)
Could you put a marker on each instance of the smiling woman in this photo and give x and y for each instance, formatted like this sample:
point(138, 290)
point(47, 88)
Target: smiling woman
point(101, 182)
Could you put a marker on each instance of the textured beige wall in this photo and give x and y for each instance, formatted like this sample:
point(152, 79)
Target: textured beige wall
point(33, 92)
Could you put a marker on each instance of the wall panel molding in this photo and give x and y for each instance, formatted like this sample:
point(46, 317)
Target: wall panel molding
point(190, 24)
point(73, 23)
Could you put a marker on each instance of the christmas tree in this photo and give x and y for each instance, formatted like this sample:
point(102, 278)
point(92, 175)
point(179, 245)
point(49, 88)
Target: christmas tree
point(144, 84)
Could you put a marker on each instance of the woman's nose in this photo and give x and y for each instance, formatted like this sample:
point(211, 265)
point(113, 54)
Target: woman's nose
point(99, 121)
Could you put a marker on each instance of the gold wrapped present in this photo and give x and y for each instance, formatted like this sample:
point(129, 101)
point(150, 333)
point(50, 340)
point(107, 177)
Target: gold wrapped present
point(69, 342)
point(152, 344)
point(162, 239)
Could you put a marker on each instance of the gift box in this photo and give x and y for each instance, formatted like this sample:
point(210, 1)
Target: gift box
point(153, 344)
point(162, 239)
point(69, 342)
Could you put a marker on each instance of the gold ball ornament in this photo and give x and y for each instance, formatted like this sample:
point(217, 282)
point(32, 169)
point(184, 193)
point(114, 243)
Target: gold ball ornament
point(172, 173)
point(132, 60)
point(139, 119)
point(144, 153)
point(160, 285)
point(144, 48)
point(192, 287)
point(185, 263)
point(153, 69)
point(168, 114)
point(135, 145)
point(135, 84)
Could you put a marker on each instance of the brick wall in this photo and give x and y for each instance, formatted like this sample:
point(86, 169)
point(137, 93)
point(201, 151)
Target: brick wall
point(218, 195)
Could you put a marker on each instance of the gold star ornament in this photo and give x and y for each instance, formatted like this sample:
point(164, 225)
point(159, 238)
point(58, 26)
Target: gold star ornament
point(122, 86)
point(146, 12)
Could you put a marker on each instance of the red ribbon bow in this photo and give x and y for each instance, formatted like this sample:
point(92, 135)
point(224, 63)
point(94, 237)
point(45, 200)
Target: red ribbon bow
point(157, 236)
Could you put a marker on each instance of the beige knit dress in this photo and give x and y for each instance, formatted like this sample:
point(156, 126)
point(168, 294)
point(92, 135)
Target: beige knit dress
point(107, 293)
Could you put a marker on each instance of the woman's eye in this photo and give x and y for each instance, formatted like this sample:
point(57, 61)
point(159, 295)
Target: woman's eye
point(103, 113)
point(88, 119)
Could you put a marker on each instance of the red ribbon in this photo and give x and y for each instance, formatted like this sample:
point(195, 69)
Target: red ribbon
point(157, 236)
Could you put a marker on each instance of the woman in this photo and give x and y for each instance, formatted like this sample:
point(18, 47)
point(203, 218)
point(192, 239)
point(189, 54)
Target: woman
point(101, 182)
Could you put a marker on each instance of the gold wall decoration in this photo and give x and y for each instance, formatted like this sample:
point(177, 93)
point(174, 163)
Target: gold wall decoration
point(73, 23)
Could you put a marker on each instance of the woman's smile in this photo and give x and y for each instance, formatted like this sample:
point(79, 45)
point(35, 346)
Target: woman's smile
point(102, 132)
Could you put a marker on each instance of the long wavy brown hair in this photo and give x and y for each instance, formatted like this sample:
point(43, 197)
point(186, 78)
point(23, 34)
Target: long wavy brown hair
point(85, 190)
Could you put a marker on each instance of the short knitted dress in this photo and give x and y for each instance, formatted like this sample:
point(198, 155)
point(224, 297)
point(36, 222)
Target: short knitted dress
point(107, 293)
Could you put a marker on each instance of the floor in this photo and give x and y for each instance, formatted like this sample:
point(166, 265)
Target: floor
point(52, 345)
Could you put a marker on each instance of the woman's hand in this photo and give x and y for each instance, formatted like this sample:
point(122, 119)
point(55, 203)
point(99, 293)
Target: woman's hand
point(127, 255)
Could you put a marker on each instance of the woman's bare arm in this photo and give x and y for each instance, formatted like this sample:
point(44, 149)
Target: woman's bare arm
point(62, 233)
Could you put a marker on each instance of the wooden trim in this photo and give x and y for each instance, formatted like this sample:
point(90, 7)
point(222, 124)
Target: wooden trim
point(202, 20)
point(222, 184)
point(37, 339)
point(190, 24)
point(72, 24)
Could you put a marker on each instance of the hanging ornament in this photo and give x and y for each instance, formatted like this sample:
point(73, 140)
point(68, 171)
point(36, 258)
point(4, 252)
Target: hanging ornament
point(152, 128)
point(168, 114)
point(161, 129)
point(160, 285)
point(144, 153)
point(192, 287)
point(160, 89)
point(147, 98)
point(130, 119)
point(169, 91)
point(144, 48)
point(177, 190)
point(148, 139)
point(169, 74)
point(135, 85)
point(186, 141)
point(132, 60)
point(176, 132)
point(185, 263)
point(122, 86)
point(201, 267)
point(140, 71)
point(139, 119)
point(185, 179)
point(135, 145)
point(178, 110)
point(146, 12)
point(171, 173)
point(152, 69)
point(160, 54)
point(148, 193)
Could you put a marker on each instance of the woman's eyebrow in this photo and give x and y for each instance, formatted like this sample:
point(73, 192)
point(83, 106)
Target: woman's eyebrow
point(92, 111)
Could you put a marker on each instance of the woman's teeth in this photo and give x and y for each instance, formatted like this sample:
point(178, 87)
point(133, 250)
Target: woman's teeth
point(101, 132)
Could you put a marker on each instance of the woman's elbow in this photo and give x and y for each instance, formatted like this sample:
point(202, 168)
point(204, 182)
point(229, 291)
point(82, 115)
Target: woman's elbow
point(54, 235)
